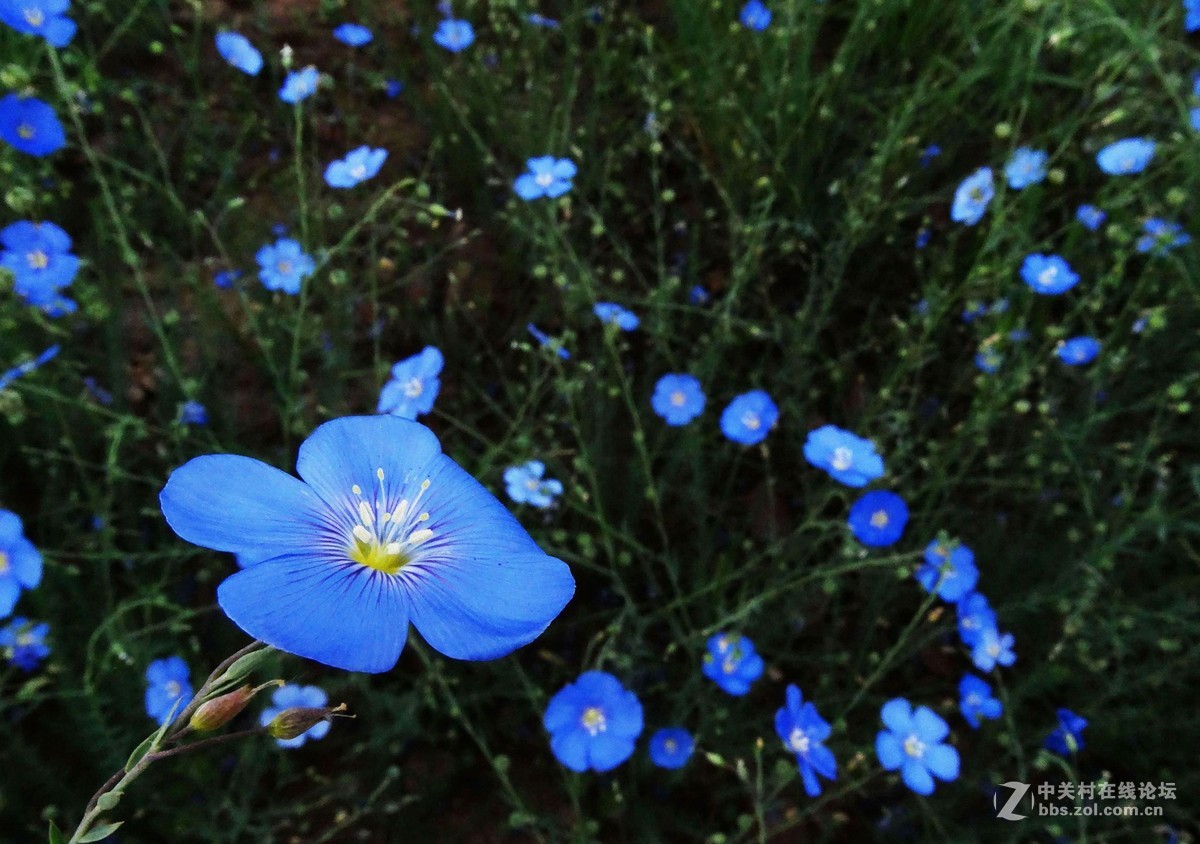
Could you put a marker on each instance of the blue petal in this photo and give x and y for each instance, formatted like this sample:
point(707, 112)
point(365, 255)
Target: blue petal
point(897, 715)
point(344, 615)
point(811, 787)
point(942, 761)
point(916, 777)
point(571, 748)
point(823, 760)
point(607, 751)
point(26, 563)
point(9, 593)
point(527, 187)
point(10, 528)
point(563, 710)
point(929, 726)
point(887, 748)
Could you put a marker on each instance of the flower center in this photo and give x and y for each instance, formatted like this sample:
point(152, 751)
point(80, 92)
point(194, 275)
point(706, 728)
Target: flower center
point(678, 398)
point(3, 563)
point(730, 664)
point(25, 639)
point(414, 388)
point(544, 180)
point(359, 172)
point(593, 720)
point(34, 17)
point(1126, 163)
point(174, 690)
point(1047, 276)
point(974, 700)
point(914, 747)
point(843, 458)
point(37, 260)
point(750, 420)
point(284, 267)
point(670, 745)
point(386, 538)
point(25, 131)
point(798, 740)
point(993, 649)
point(879, 519)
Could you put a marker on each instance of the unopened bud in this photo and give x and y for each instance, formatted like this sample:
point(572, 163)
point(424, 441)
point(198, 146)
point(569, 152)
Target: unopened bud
point(219, 711)
point(298, 720)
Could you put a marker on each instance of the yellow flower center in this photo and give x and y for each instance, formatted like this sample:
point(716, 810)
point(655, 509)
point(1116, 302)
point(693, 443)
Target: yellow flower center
point(1046, 276)
point(414, 388)
point(25, 639)
point(879, 519)
point(976, 194)
point(914, 747)
point(843, 458)
point(4, 566)
point(544, 180)
point(386, 537)
point(37, 260)
point(593, 720)
point(751, 420)
point(25, 131)
point(284, 267)
point(34, 17)
point(678, 398)
point(798, 741)
point(670, 745)
point(358, 172)
point(174, 690)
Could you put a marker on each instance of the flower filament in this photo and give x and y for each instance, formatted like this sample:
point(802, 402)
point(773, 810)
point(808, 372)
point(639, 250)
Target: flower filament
point(385, 537)
point(593, 720)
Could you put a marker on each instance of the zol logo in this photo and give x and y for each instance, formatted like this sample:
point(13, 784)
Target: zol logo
point(1006, 812)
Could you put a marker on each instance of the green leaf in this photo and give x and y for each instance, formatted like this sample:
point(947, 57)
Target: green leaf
point(140, 751)
point(56, 836)
point(109, 800)
point(101, 832)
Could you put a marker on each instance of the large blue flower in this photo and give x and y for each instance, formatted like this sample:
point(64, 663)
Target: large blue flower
point(237, 50)
point(732, 663)
point(847, 458)
point(26, 641)
point(547, 176)
point(678, 398)
point(749, 417)
point(292, 696)
point(1067, 738)
point(1026, 167)
point(39, 257)
point(949, 570)
point(358, 166)
point(803, 730)
point(671, 747)
point(414, 386)
point(382, 530)
point(913, 743)
point(46, 18)
point(878, 518)
point(1126, 157)
point(20, 562)
point(593, 722)
point(1048, 274)
point(283, 265)
point(972, 197)
point(30, 125)
point(168, 687)
point(976, 701)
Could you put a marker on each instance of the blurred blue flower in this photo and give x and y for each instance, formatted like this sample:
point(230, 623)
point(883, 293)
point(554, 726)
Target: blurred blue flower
point(849, 459)
point(353, 34)
point(1025, 167)
point(993, 648)
point(30, 125)
point(27, 642)
point(191, 412)
point(1067, 737)
point(20, 562)
point(678, 398)
point(1090, 217)
point(414, 385)
point(923, 236)
point(877, 518)
point(168, 688)
point(454, 35)
point(549, 342)
point(547, 176)
point(1048, 275)
point(60, 306)
point(974, 616)
point(671, 747)
point(358, 166)
point(383, 530)
point(1126, 157)
point(542, 20)
point(1191, 21)
point(593, 723)
point(950, 569)
point(976, 701)
point(299, 85)
point(6, 378)
point(928, 154)
point(283, 265)
point(225, 278)
point(698, 295)
point(914, 743)
point(39, 257)
point(526, 485)
point(1160, 236)
point(237, 50)
point(292, 696)
point(731, 662)
point(44, 18)
point(988, 359)
point(972, 197)
point(755, 15)
point(393, 88)
point(1078, 351)
point(802, 731)
point(610, 313)
point(749, 417)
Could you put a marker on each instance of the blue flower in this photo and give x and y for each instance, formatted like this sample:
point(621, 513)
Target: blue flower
point(593, 722)
point(45, 18)
point(414, 386)
point(1067, 737)
point(993, 648)
point(383, 529)
point(974, 616)
point(299, 85)
point(1025, 167)
point(749, 417)
point(13, 374)
point(292, 696)
point(193, 413)
point(30, 125)
point(1090, 217)
point(988, 358)
point(542, 20)
point(802, 731)
point(358, 166)
point(353, 34)
point(610, 313)
point(877, 518)
point(849, 459)
point(1048, 274)
point(732, 663)
point(552, 343)
point(972, 197)
point(1160, 236)
point(678, 398)
point(168, 688)
point(976, 701)
point(755, 15)
point(454, 35)
point(27, 642)
point(671, 747)
point(1191, 21)
point(1126, 157)
point(393, 88)
point(698, 295)
point(1078, 351)
point(20, 562)
point(913, 743)
point(526, 485)
point(39, 257)
point(949, 570)
point(547, 176)
point(226, 278)
point(237, 50)
point(283, 265)
point(928, 154)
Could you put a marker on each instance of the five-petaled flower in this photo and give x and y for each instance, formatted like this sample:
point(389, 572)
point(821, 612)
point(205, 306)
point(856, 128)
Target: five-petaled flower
point(671, 747)
point(732, 663)
point(949, 570)
point(45, 18)
point(802, 731)
point(299, 85)
point(1126, 157)
point(454, 35)
point(993, 648)
point(359, 165)
point(414, 385)
point(593, 722)
point(610, 313)
point(972, 197)
point(168, 688)
point(976, 701)
point(1048, 274)
point(878, 518)
point(547, 176)
point(1078, 351)
point(678, 398)
point(30, 125)
point(849, 459)
point(25, 641)
point(283, 265)
point(1067, 738)
point(913, 743)
point(20, 562)
point(749, 417)
point(353, 34)
point(39, 257)
point(1026, 167)
point(755, 15)
point(526, 484)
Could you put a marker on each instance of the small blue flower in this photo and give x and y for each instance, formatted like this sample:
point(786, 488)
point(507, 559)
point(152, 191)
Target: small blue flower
point(525, 485)
point(1067, 737)
point(1026, 167)
point(802, 731)
point(383, 530)
point(414, 385)
point(972, 197)
point(552, 343)
point(358, 166)
point(1160, 236)
point(1191, 21)
point(1078, 351)
point(225, 278)
point(26, 642)
point(168, 688)
point(353, 34)
point(914, 744)
point(1090, 217)
point(749, 417)
point(610, 313)
point(923, 236)
point(548, 176)
point(988, 359)
point(974, 616)
point(7, 378)
point(30, 125)
point(393, 88)
point(237, 50)
point(678, 398)
point(542, 21)
point(283, 265)
point(976, 701)
point(755, 15)
point(928, 154)
point(993, 648)
point(877, 518)
point(299, 85)
point(20, 562)
point(671, 747)
point(44, 18)
point(293, 696)
point(1048, 275)
point(454, 35)
point(732, 663)
point(193, 413)
point(698, 295)
point(949, 570)
point(1126, 157)
point(849, 459)
point(593, 723)
point(39, 257)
